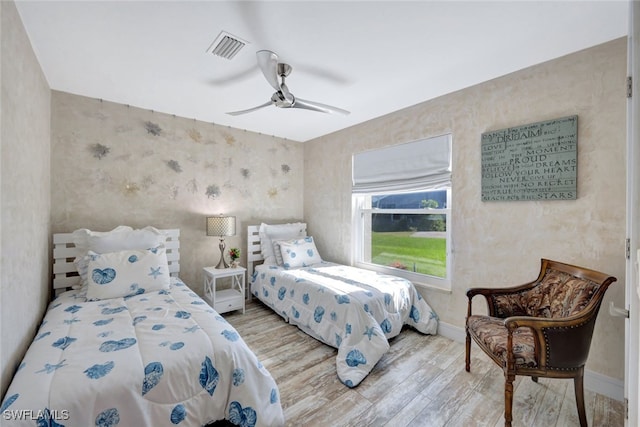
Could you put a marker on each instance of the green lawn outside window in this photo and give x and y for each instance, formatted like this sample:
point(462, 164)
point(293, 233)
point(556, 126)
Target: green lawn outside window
point(425, 255)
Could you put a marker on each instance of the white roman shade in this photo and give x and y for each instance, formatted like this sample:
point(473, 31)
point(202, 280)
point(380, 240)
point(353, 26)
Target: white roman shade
point(425, 163)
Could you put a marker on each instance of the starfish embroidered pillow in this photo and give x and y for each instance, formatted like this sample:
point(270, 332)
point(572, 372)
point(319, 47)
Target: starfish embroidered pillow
point(127, 273)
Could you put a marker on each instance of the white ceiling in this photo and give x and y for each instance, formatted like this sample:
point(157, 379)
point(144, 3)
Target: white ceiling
point(369, 57)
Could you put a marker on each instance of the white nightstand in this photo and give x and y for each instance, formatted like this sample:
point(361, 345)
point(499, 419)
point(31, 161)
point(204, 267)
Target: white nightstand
point(225, 299)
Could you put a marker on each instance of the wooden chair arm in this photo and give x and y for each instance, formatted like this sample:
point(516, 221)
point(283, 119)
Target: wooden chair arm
point(472, 292)
point(486, 292)
point(536, 323)
point(477, 291)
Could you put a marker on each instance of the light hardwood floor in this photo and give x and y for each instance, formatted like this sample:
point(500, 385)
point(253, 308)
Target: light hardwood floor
point(421, 381)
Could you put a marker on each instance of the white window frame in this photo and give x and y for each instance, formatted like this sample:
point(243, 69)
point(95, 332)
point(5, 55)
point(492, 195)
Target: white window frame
point(361, 208)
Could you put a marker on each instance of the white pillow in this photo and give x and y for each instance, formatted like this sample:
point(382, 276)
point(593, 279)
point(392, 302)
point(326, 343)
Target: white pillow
point(127, 273)
point(299, 253)
point(274, 232)
point(118, 239)
point(81, 236)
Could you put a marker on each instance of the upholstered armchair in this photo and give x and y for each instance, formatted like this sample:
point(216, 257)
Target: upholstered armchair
point(540, 329)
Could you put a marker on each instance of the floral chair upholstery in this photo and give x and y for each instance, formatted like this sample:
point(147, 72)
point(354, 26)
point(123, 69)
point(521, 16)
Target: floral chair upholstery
point(540, 329)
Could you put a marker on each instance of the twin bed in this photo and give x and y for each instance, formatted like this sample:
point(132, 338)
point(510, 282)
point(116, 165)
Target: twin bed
point(135, 346)
point(348, 308)
point(131, 345)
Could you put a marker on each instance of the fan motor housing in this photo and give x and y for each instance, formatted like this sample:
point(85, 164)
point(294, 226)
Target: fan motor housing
point(284, 69)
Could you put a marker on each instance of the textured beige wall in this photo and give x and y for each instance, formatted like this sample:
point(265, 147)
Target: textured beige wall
point(502, 242)
point(113, 164)
point(24, 191)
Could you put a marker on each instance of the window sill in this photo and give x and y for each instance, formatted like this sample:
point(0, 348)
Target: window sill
point(445, 287)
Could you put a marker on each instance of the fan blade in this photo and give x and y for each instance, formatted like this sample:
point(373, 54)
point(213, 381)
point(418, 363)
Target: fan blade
point(285, 92)
point(268, 63)
point(316, 106)
point(237, 113)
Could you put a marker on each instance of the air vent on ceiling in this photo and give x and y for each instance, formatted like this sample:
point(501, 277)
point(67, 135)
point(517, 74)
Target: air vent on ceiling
point(226, 45)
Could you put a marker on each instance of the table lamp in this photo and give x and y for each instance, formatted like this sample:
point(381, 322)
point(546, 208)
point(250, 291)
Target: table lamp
point(221, 226)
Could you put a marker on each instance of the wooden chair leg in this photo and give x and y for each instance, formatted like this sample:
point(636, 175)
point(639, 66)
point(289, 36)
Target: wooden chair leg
point(467, 357)
point(535, 379)
point(579, 389)
point(508, 399)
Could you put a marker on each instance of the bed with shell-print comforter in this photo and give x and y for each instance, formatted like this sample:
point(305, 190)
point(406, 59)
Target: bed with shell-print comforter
point(351, 309)
point(155, 359)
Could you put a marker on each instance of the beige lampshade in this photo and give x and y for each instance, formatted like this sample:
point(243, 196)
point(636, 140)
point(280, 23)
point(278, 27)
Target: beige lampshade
point(221, 225)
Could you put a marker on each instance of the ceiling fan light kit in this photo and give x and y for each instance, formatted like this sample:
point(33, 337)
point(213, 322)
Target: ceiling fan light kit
point(283, 98)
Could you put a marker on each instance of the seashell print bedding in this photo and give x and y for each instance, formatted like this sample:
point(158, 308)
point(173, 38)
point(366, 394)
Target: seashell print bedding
point(158, 358)
point(351, 309)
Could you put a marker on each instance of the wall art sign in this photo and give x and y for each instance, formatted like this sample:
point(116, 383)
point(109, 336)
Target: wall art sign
point(537, 161)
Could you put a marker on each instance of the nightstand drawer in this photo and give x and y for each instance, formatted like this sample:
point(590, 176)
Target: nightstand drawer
point(228, 300)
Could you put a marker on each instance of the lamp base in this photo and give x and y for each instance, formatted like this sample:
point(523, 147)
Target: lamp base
point(222, 263)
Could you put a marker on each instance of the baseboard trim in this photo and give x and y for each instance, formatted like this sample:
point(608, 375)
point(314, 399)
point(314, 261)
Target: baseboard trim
point(455, 333)
point(604, 385)
point(594, 381)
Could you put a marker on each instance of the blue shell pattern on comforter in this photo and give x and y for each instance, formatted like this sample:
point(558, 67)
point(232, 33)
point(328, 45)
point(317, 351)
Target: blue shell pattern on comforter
point(158, 358)
point(351, 309)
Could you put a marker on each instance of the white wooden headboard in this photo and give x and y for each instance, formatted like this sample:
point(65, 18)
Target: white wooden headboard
point(65, 274)
point(254, 253)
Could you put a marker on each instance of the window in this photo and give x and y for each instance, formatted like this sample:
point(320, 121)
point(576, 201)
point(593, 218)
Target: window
point(402, 212)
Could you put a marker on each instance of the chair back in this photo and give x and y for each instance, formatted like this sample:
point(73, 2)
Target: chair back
point(573, 294)
point(560, 291)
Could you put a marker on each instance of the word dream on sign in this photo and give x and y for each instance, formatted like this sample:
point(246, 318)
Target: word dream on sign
point(537, 161)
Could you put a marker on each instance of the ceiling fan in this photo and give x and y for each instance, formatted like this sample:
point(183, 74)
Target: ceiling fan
point(282, 98)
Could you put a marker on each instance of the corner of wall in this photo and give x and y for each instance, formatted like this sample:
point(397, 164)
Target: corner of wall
point(25, 191)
